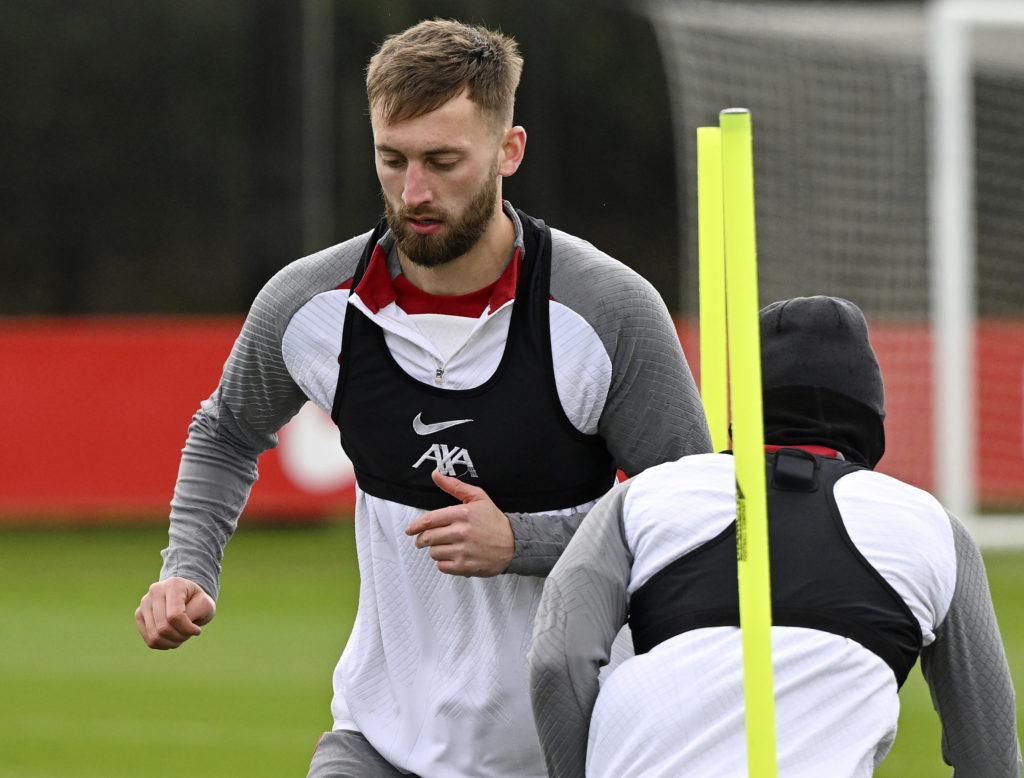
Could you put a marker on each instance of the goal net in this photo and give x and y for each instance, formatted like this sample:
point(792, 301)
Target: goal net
point(847, 108)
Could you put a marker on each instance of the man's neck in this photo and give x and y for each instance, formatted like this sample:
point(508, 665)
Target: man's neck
point(481, 266)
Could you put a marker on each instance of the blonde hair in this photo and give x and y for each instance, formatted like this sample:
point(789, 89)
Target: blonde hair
point(419, 70)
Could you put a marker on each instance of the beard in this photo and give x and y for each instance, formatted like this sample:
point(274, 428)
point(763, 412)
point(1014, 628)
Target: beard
point(457, 236)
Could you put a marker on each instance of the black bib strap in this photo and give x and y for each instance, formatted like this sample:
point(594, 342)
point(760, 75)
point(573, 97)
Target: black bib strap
point(819, 579)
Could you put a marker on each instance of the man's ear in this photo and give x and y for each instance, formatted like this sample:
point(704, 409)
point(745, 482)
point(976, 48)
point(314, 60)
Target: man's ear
point(512, 149)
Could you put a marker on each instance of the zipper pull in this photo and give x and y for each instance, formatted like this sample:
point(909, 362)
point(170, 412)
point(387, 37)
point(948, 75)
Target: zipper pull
point(439, 376)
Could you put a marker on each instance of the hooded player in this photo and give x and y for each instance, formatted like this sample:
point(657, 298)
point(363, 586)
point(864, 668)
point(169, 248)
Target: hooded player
point(867, 574)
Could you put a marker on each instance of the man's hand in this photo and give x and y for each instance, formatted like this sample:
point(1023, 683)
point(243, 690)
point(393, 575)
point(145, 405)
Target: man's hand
point(472, 539)
point(172, 611)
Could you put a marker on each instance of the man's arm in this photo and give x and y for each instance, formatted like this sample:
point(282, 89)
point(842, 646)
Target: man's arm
point(582, 609)
point(968, 675)
point(540, 540)
point(215, 476)
point(653, 411)
point(256, 396)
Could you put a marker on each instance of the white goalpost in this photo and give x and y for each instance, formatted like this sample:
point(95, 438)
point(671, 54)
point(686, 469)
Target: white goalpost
point(889, 155)
point(951, 50)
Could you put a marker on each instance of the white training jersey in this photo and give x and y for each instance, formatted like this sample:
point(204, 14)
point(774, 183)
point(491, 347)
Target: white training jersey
point(836, 705)
point(434, 671)
point(679, 709)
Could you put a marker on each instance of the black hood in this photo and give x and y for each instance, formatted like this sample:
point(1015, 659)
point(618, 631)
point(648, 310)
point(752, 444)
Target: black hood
point(820, 378)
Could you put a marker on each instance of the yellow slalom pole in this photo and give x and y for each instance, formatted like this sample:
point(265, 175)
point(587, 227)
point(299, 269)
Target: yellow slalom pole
point(748, 440)
point(714, 369)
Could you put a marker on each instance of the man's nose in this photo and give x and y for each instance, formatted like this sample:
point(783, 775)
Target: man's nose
point(417, 186)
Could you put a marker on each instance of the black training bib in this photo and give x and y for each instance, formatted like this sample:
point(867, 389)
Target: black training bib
point(509, 436)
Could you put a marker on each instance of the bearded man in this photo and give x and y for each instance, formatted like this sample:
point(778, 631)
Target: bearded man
point(489, 376)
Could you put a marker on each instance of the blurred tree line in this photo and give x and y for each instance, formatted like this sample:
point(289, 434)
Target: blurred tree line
point(164, 157)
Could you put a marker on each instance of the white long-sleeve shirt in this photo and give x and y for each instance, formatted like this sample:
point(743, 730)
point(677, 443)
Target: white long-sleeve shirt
point(678, 709)
point(434, 672)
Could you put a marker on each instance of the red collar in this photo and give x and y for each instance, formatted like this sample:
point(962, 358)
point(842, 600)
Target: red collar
point(823, 451)
point(377, 289)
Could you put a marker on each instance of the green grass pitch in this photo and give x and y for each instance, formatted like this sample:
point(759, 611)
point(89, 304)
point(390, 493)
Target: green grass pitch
point(81, 696)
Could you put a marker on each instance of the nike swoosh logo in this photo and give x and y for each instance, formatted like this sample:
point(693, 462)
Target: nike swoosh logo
point(422, 428)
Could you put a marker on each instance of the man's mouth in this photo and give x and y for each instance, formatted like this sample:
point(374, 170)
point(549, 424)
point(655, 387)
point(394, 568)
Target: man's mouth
point(423, 225)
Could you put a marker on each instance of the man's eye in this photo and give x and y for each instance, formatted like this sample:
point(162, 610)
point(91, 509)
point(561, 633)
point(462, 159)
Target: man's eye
point(392, 162)
point(444, 164)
